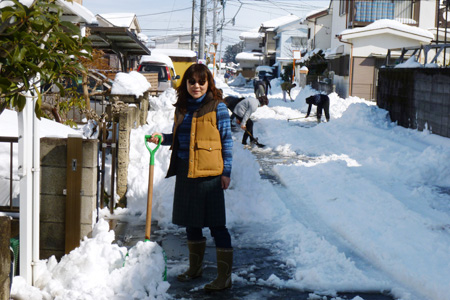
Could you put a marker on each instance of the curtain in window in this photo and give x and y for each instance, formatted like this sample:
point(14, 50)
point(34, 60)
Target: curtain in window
point(374, 10)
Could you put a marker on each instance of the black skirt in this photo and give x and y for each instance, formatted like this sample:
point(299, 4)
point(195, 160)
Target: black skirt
point(198, 202)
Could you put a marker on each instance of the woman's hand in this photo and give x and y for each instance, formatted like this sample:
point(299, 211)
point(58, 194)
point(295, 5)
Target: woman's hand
point(225, 182)
point(243, 127)
point(154, 139)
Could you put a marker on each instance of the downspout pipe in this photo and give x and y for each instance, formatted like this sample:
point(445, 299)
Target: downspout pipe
point(350, 77)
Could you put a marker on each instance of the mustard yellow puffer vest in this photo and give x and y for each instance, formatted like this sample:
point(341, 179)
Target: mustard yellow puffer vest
point(205, 148)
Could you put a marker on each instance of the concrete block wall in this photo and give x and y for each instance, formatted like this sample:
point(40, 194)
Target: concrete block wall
point(53, 199)
point(417, 98)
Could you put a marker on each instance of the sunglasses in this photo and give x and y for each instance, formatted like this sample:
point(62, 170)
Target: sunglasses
point(193, 81)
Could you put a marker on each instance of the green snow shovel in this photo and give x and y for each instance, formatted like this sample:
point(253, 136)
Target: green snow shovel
point(148, 222)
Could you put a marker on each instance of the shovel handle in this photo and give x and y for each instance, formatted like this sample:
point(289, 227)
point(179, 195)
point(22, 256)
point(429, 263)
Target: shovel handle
point(152, 152)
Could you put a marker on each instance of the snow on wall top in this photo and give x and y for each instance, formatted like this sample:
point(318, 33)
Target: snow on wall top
point(385, 23)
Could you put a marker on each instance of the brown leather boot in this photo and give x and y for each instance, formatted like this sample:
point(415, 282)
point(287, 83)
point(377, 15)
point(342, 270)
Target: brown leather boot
point(196, 253)
point(224, 266)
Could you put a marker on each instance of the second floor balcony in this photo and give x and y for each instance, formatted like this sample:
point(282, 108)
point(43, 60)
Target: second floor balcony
point(363, 12)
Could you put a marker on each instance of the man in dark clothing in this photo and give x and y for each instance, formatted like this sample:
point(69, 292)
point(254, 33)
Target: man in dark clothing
point(322, 102)
point(266, 85)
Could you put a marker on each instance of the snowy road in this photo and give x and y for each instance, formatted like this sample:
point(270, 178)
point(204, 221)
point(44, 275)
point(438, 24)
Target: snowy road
point(354, 205)
point(365, 199)
point(360, 203)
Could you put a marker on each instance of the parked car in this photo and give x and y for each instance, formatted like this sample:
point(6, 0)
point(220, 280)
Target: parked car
point(163, 65)
point(262, 71)
point(182, 59)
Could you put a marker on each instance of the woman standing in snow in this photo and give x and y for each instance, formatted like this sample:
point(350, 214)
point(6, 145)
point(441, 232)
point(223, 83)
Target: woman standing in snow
point(201, 159)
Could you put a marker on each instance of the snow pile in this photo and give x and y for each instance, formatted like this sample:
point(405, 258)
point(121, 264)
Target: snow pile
point(238, 81)
point(133, 83)
point(410, 63)
point(98, 270)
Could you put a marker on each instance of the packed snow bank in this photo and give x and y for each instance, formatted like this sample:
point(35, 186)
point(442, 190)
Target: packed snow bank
point(238, 81)
point(97, 270)
point(133, 83)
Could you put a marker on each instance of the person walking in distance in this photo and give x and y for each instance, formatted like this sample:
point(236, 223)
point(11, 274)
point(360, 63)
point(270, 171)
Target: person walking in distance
point(201, 160)
point(322, 102)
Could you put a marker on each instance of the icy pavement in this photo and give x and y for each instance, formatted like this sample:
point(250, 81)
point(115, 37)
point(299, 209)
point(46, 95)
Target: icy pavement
point(254, 268)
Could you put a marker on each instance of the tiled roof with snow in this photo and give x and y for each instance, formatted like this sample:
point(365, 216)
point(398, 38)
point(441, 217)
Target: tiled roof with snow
point(251, 35)
point(316, 11)
point(181, 34)
point(174, 52)
point(280, 21)
point(253, 56)
point(119, 19)
point(385, 23)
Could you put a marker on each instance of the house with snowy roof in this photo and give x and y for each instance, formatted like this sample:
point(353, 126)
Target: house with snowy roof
point(318, 23)
point(291, 36)
point(128, 20)
point(272, 44)
point(184, 40)
point(271, 40)
point(251, 56)
point(360, 35)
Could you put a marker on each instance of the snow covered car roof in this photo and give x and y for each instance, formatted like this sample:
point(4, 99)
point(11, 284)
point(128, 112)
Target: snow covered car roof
point(157, 58)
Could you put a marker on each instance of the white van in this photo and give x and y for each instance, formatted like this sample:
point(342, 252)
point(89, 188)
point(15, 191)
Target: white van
point(163, 65)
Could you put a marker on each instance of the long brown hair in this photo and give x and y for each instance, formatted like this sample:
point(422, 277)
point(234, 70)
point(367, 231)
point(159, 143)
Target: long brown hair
point(201, 72)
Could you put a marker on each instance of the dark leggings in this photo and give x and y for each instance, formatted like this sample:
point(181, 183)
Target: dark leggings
point(325, 106)
point(249, 129)
point(220, 234)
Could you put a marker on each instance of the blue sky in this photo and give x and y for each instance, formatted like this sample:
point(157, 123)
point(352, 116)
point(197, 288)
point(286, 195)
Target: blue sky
point(158, 17)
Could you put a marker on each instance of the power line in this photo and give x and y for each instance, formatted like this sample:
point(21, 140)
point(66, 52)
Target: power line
point(164, 12)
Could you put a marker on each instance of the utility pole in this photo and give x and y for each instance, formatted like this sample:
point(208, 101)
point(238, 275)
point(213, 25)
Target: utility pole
point(214, 21)
point(192, 26)
point(221, 39)
point(201, 42)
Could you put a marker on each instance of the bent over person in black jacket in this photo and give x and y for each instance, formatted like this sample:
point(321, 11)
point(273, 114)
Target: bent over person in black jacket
point(322, 102)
